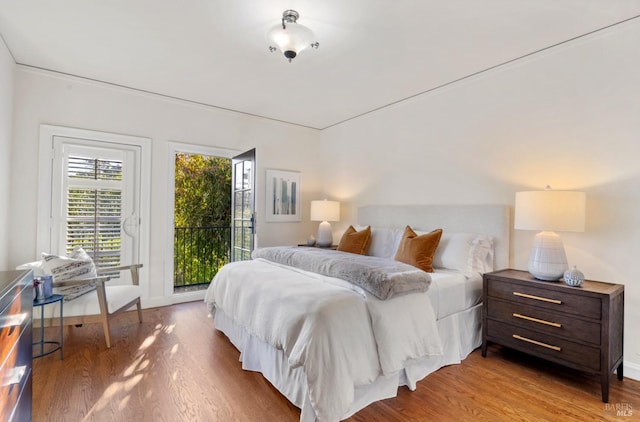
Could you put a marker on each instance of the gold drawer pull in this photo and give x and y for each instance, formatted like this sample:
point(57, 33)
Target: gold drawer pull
point(544, 299)
point(539, 343)
point(539, 321)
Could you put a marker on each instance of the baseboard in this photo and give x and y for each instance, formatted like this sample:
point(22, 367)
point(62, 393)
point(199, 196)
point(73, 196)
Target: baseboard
point(158, 301)
point(188, 297)
point(632, 370)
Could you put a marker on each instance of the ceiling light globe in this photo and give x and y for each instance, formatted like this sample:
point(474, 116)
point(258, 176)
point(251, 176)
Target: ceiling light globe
point(291, 40)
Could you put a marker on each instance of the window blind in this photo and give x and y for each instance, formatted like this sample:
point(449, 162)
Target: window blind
point(94, 208)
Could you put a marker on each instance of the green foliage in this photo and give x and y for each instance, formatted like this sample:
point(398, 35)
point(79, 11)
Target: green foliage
point(203, 191)
point(202, 217)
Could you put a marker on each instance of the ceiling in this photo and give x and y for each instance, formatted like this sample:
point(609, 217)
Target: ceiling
point(372, 52)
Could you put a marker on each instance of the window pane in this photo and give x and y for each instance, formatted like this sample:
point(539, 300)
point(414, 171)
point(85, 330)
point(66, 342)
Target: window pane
point(246, 176)
point(94, 168)
point(239, 179)
point(238, 206)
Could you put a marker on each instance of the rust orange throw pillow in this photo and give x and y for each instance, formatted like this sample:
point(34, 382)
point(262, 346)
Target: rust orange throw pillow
point(418, 250)
point(355, 242)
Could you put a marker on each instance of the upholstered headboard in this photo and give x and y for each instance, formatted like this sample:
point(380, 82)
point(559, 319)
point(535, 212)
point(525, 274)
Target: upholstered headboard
point(494, 220)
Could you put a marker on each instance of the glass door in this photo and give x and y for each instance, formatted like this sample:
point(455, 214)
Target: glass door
point(243, 207)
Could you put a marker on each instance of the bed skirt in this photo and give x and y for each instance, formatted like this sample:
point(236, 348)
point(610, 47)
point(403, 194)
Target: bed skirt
point(460, 334)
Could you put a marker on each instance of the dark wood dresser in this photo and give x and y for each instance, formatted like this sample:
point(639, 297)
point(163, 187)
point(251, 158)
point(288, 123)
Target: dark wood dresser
point(579, 327)
point(16, 304)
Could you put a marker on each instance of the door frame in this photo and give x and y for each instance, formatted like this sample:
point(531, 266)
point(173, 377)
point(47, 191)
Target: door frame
point(177, 147)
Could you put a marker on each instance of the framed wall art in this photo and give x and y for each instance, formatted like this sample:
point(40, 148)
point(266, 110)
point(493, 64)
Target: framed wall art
point(283, 196)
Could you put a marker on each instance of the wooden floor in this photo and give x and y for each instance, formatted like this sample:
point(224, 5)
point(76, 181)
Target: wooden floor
point(176, 367)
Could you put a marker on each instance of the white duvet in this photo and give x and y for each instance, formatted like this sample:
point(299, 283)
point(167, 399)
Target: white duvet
point(341, 336)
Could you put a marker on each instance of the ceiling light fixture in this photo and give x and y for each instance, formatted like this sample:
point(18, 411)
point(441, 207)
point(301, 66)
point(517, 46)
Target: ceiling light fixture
point(290, 37)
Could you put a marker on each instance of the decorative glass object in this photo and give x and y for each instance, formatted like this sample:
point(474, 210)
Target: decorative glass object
point(311, 240)
point(573, 277)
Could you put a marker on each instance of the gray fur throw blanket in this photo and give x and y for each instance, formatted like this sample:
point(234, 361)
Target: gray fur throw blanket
point(383, 278)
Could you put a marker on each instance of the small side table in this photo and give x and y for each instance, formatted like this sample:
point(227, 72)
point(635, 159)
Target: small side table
point(42, 342)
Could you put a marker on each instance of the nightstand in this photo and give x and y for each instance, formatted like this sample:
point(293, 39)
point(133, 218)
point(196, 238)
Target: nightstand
point(578, 327)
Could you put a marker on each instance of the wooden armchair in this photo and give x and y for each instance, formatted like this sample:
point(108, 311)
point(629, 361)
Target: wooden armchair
point(99, 305)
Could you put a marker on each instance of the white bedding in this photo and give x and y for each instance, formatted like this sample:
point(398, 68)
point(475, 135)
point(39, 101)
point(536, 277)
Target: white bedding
point(381, 338)
point(452, 292)
point(460, 333)
point(452, 300)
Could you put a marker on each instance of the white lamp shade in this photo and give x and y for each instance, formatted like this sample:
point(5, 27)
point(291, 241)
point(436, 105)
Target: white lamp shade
point(550, 210)
point(325, 210)
point(294, 37)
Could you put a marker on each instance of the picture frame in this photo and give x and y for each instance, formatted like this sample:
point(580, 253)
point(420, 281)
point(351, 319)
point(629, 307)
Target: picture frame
point(283, 189)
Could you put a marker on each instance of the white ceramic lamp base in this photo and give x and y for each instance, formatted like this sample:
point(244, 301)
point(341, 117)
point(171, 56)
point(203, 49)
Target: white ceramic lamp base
point(325, 236)
point(547, 260)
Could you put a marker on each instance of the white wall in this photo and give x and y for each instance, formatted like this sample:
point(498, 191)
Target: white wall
point(47, 98)
point(7, 70)
point(569, 118)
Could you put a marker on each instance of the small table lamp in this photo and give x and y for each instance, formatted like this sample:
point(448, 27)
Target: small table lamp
point(325, 211)
point(549, 211)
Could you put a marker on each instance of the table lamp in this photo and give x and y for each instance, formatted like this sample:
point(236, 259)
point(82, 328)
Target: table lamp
point(549, 211)
point(325, 211)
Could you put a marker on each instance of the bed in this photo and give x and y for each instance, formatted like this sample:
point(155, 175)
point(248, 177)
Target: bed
point(332, 345)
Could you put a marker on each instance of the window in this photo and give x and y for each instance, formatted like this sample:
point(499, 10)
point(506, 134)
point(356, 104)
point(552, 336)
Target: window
point(95, 200)
point(90, 195)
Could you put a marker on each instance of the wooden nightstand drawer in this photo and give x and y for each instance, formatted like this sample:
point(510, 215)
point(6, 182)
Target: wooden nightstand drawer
point(540, 296)
point(16, 300)
point(545, 321)
point(14, 375)
point(553, 348)
point(14, 319)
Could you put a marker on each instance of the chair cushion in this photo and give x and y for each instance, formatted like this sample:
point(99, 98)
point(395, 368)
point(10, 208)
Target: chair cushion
point(87, 304)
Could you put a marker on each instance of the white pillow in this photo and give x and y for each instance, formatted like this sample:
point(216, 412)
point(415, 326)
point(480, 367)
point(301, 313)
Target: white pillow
point(384, 242)
point(77, 266)
point(36, 266)
point(470, 253)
